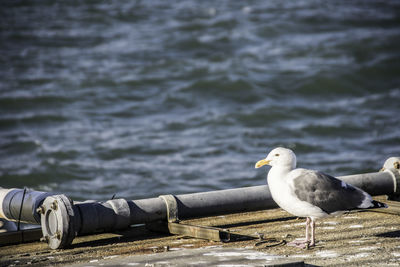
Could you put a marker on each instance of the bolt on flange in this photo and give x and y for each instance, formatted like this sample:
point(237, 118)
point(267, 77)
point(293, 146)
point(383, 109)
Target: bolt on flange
point(41, 209)
point(54, 205)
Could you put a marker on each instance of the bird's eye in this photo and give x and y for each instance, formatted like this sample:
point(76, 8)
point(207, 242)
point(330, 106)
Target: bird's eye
point(276, 155)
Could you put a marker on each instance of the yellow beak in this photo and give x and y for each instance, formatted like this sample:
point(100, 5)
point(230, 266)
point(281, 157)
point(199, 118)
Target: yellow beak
point(261, 163)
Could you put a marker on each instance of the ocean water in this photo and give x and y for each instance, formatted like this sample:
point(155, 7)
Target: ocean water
point(141, 98)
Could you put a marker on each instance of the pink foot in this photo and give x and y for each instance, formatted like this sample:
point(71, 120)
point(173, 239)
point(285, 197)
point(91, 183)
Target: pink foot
point(301, 244)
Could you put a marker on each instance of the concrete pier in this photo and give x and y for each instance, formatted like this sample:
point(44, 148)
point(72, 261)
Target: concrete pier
point(355, 239)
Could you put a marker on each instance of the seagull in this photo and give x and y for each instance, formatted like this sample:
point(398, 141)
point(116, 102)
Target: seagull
point(311, 194)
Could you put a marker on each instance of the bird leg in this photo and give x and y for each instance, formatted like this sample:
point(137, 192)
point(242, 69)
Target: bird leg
point(306, 242)
point(312, 243)
point(308, 220)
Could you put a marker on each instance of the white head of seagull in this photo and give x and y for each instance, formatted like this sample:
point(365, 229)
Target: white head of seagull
point(279, 157)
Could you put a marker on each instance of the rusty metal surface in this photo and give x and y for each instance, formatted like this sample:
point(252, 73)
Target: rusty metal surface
point(196, 231)
point(202, 232)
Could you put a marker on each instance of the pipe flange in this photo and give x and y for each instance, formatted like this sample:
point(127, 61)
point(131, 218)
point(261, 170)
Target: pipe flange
point(396, 180)
point(392, 165)
point(57, 220)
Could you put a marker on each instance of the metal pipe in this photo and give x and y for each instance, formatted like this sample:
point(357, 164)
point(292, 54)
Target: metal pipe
point(20, 204)
point(62, 220)
point(376, 183)
point(205, 204)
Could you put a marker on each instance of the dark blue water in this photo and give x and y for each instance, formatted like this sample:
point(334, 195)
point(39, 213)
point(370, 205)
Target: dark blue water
point(141, 98)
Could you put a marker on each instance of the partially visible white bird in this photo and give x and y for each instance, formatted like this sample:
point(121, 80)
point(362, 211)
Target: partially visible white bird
point(310, 194)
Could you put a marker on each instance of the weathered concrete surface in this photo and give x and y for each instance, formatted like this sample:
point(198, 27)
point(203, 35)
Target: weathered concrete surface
point(207, 256)
point(356, 239)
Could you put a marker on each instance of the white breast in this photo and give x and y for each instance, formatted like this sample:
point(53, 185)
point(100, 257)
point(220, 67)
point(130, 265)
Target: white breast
point(283, 194)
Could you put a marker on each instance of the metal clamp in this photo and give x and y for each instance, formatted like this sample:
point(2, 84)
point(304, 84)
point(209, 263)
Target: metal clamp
point(172, 207)
point(202, 232)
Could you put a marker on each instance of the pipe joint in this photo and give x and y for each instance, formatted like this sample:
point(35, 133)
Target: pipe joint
point(121, 213)
point(395, 173)
point(392, 166)
point(172, 207)
point(62, 220)
point(58, 220)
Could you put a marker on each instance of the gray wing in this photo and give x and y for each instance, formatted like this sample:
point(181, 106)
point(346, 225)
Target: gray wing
point(326, 192)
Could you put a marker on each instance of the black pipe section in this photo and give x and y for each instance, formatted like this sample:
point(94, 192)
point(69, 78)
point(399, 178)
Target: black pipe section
point(376, 183)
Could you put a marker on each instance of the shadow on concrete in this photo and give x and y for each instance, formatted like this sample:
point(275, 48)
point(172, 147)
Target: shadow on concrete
point(133, 234)
point(142, 232)
point(394, 234)
point(283, 219)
